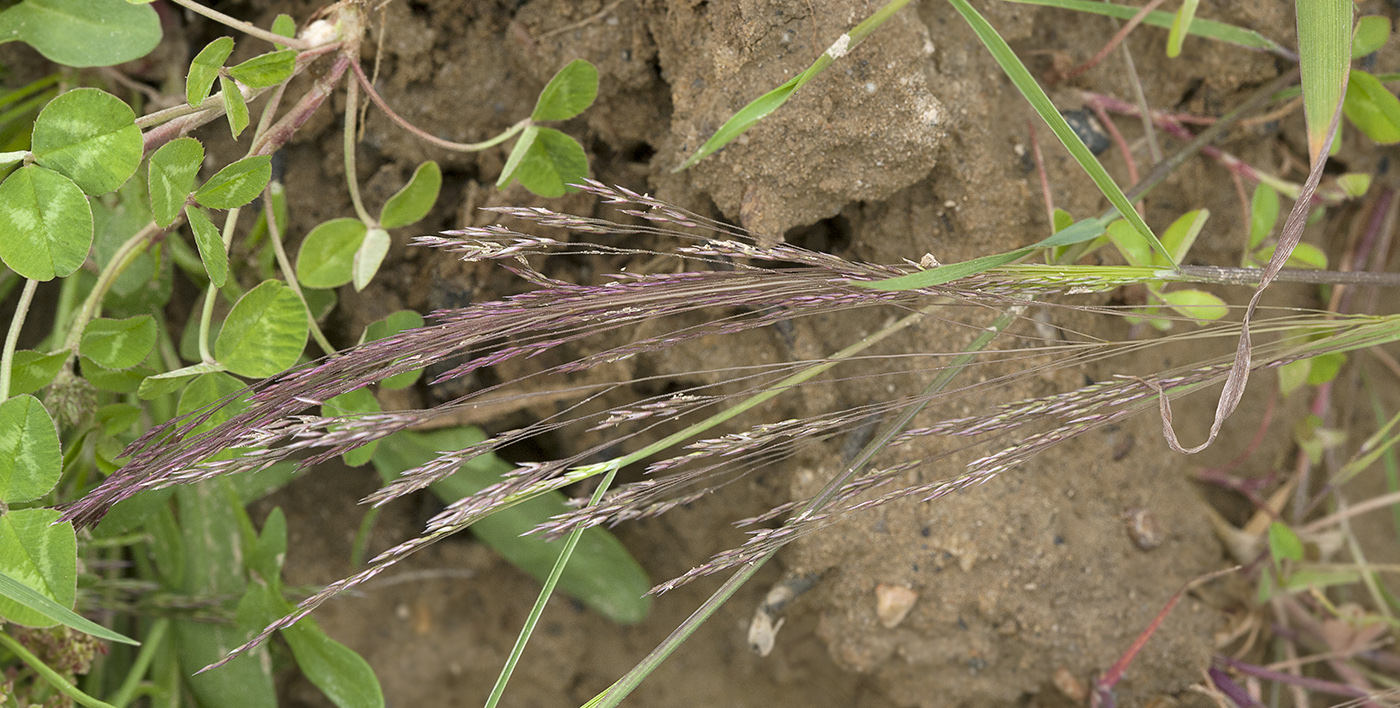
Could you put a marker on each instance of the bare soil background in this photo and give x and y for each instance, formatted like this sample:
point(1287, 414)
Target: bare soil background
point(913, 144)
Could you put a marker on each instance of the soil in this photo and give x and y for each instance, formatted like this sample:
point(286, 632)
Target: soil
point(914, 143)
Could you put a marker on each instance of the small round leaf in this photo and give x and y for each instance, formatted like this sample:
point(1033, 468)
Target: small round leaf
point(41, 554)
point(172, 172)
point(89, 136)
point(237, 184)
point(46, 224)
point(119, 344)
point(327, 255)
point(410, 204)
point(552, 163)
point(264, 333)
point(566, 95)
point(30, 457)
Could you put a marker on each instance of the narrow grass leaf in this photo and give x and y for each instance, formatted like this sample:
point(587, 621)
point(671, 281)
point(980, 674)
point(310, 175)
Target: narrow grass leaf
point(265, 70)
point(210, 245)
point(572, 90)
point(264, 333)
point(1324, 53)
point(90, 137)
point(369, 256)
point(1372, 32)
point(1199, 305)
point(344, 676)
point(34, 370)
point(172, 172)
point(30, 457)
point(1181, 25)
point(1372, 108)
point(235, 107)
point(327, 255)
point(41, 553)
point(31, 599)
point(237, 184)
point(46, 222)
point(552, 162)
point(1209, 29)
point(119, 344)
point(83, 33)
point(410, 204)
point(1083, 231)
point(1035, 95)
point(204, 70)
point(1263, 214)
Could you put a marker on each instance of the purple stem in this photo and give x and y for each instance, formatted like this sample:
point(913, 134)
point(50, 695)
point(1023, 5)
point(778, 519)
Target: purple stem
point(1231, 689)
point(1312, 684)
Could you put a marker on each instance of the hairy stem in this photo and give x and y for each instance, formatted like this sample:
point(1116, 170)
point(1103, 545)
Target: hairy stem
point(7, 359)
point(121, 260)
point(244, 27)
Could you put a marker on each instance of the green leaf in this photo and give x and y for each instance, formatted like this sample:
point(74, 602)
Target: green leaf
point(42, 555)
point(266, 70)
point(552, 163)
point(46, 222)
point(117, 418)
point(29, 598)
point(344, 676)
point(1354, 184)
point(90, 137)
point(271, 549)
point(256, 484)
point(1125, 238)
point(1304, 255)
point(119, 344)
point(351, 403)
point(1371, 33)
point(235, 106)
point(410, 204)
point(517, 155)
point(1320, 578)
point(1284, 544)
point(265, 332)
point(1209, 29)
point(1181, 25)
point(566, 95)
point(208, 389)
point(1085, 230)
point(749, 116)
point(370, 254)
point(1062, 220)
point(1372, 108)
point(237, 184)
point(82, 33)
point(391, 325)
point(172, 172)
point(34, 370)
point(1263, 214)
point(1035, 95)
point(114, 380)
point(1199, 305)
point(1325, 367)
point(1293, 375)
point(1324, 54)
point(210, 245)
point(600, 573)
point(204, 70)
point(30, 457)
point(1181, 235)
point(285, 26)
point(327, 255)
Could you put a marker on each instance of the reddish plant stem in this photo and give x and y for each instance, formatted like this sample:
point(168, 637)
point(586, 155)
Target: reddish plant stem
point(1119, 142)
point(1040, 171)
point(423, 134)
point(1314, 684)
point(1117, 39)
point(284, 128)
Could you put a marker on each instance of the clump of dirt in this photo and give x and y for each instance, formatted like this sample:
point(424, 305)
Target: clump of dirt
point(914, 143)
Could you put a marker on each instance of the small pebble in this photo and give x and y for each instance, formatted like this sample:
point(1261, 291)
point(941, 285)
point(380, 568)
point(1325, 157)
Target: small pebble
point(1089, 129)
point(1070, 685)
point(893, 603)
point(1144, 528)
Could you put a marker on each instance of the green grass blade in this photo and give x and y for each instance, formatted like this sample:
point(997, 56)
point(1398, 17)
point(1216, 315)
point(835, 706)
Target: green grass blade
point(1181, 26)
point(1021, 77)
point(761, 107)
point(1324, 53)
point(1209, 29)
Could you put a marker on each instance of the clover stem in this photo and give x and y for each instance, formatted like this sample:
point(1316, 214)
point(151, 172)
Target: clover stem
point(352, 180)
point(244, 27)
point(7, 360)
point(425, 135)
point(206, 316)
point(274, 235)
point(121, 260)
